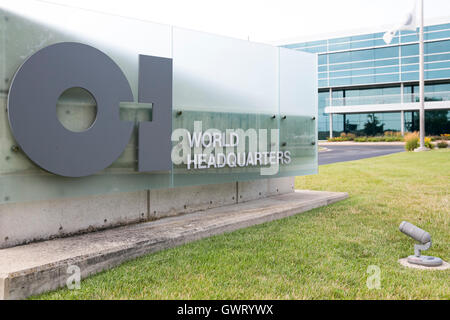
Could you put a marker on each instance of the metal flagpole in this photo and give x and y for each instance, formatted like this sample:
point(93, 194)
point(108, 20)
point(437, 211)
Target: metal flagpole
point(421, 82)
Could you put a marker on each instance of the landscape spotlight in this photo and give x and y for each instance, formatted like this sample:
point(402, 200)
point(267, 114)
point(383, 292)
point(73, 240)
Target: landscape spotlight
point(424, 239)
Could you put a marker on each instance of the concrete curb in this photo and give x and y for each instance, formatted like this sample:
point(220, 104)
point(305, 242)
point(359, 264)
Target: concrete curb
point(39, 267)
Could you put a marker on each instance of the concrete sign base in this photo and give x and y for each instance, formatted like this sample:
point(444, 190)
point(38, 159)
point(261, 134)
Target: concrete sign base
point(22, 223)
point(43, 266)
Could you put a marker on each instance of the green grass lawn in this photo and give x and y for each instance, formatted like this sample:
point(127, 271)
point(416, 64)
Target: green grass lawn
point(320, 254)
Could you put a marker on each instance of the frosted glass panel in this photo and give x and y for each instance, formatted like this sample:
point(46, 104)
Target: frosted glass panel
point(298, 83)
point(298, 136)
point(226, 84)
point(223, 73)
point(26, 27)
point(268, 93)
point(220, 121)
point(298, 111)
point(31, 25)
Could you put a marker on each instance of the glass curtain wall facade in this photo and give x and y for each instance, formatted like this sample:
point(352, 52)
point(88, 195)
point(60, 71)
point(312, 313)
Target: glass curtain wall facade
point(362, 70)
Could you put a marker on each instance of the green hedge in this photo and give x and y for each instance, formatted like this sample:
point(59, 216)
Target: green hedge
point(367, 139)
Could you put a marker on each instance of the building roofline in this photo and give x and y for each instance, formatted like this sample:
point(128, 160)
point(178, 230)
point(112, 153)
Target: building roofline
point(351, 32)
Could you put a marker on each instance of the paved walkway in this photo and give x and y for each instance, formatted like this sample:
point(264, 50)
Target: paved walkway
point(355, 151)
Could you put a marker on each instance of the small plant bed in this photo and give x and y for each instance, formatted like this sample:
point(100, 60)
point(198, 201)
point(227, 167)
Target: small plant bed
point(387, 137)
point(411, 139)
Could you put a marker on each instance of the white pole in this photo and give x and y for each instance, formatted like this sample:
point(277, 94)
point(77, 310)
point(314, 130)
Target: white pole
point(331, 124)
point(402, 113)
point(330, 103)
point(402, 122)
point(421, 81)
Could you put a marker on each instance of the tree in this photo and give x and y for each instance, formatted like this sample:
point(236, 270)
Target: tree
point(373, 126)
point(436, 122)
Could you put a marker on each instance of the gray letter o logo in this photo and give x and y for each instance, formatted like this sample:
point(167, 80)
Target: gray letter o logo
point(32, 100)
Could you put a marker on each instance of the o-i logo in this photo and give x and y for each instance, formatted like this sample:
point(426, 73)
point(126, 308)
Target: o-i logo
point(42, 78)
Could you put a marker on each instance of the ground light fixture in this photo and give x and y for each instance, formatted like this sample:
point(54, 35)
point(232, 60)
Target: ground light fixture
point(424, 239)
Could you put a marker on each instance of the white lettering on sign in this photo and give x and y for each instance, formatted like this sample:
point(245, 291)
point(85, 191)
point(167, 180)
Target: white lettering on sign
point(213, 148)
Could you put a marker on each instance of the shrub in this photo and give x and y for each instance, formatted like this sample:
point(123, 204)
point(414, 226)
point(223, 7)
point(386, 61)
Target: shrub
point(390, 138)
point(347, 136)
point(445, 136)
point(351, 136)
point(337, 139)
point(392, 134)
point(344, 137)
point(428, 143)
point(412, 141)
point(442, 145)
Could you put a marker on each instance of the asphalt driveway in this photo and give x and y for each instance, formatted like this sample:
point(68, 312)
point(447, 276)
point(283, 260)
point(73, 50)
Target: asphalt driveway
point(341, 153)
